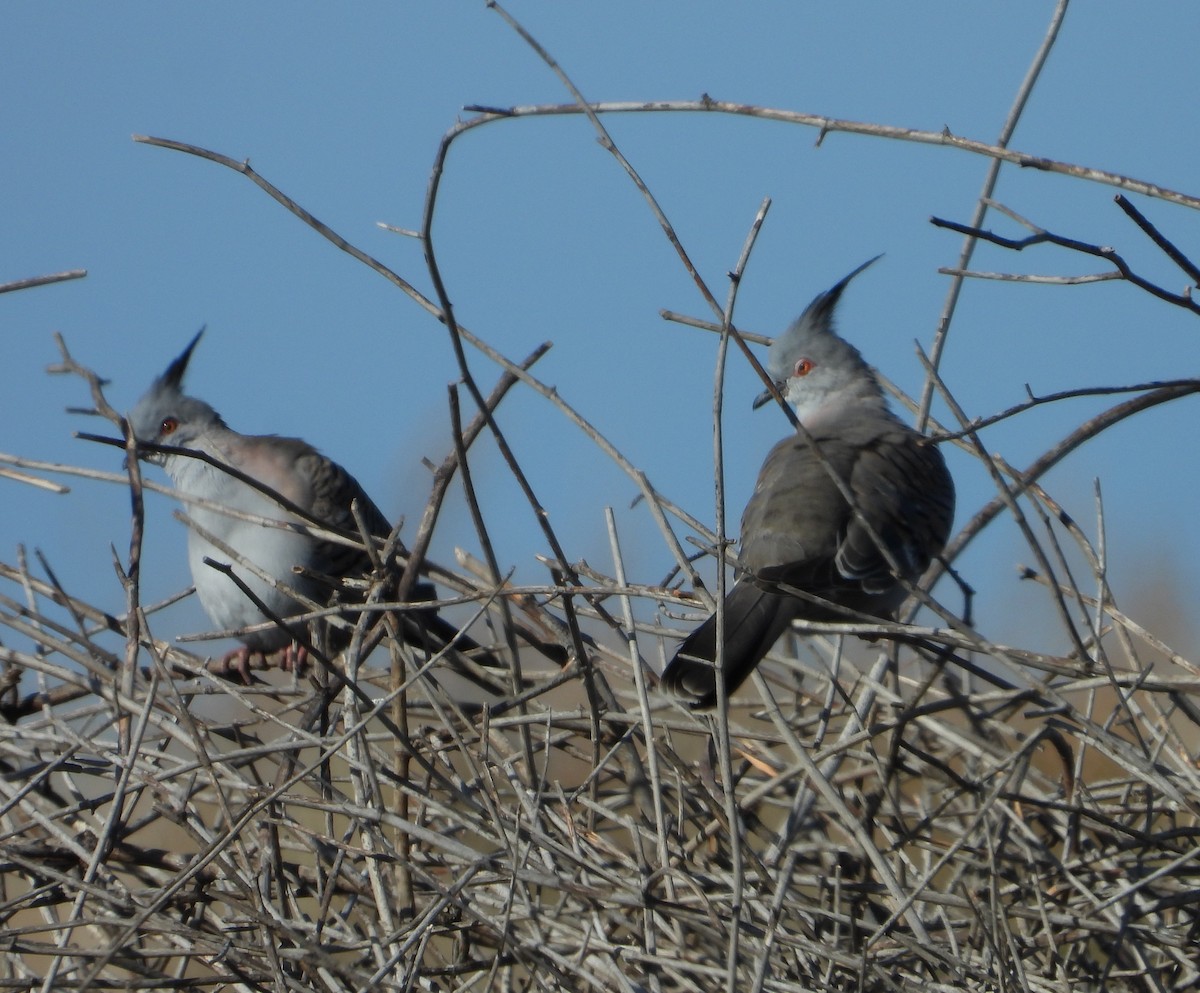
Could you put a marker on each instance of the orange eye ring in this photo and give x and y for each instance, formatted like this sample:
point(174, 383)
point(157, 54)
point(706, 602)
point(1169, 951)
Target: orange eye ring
point(803, 367)
point(168, 426)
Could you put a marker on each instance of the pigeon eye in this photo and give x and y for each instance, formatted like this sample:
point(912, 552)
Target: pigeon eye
point(168, 426)
point(803, 367)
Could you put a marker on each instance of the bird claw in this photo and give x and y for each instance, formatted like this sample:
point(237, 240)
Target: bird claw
point(237, 662)
point(241, 662)
point(294, 658)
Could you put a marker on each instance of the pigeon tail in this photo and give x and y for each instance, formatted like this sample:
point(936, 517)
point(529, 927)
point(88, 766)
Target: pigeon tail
point(754, 620)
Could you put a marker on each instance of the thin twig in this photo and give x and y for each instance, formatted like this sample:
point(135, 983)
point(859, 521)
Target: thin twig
point(989, 184)
point(32, 281)
point(1043, 237)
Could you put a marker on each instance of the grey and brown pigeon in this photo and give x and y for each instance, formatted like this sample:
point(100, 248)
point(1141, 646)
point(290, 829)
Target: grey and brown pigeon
point(292, 468)
point(799, 531)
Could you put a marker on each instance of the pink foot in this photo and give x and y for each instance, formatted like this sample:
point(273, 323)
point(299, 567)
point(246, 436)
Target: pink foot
point(236, 662)
point(294, 658)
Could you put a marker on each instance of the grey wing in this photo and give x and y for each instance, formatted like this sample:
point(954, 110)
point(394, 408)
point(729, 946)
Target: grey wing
point(333, 491)
point(901, 486)
point(794, 521)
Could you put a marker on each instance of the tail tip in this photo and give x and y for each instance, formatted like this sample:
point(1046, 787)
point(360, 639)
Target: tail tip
point(695, 683)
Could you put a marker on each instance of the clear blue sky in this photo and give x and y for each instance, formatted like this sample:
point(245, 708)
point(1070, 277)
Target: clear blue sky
point(541, 236)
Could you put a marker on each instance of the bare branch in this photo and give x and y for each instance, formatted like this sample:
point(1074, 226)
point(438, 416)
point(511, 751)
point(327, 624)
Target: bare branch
point(57, 277)
point(1040, 236)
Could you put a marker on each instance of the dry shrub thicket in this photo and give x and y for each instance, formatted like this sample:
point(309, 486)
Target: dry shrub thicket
point(943, 814)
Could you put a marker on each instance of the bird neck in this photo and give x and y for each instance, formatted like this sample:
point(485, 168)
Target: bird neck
point(194, 476)
point(863, 398)
point(197, 477)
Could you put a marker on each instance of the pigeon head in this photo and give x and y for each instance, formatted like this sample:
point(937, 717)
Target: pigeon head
point(811, 365)
point(166, 416)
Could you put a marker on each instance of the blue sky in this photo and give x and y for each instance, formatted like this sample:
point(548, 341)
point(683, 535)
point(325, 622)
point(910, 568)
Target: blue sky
point(542, 237)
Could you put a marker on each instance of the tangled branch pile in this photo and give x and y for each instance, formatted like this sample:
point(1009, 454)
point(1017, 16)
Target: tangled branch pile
point(938, 813)
point(882, 821)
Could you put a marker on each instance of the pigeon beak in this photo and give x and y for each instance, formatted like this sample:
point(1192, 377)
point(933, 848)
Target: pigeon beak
point(766, 396)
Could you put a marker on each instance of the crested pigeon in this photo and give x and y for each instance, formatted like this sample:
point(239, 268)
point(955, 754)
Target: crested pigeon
point(798, 529)
point(297, 472)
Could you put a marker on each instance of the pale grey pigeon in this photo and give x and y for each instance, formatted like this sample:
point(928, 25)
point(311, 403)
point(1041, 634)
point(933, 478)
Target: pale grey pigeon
point(298, 473)
point(799, 531)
